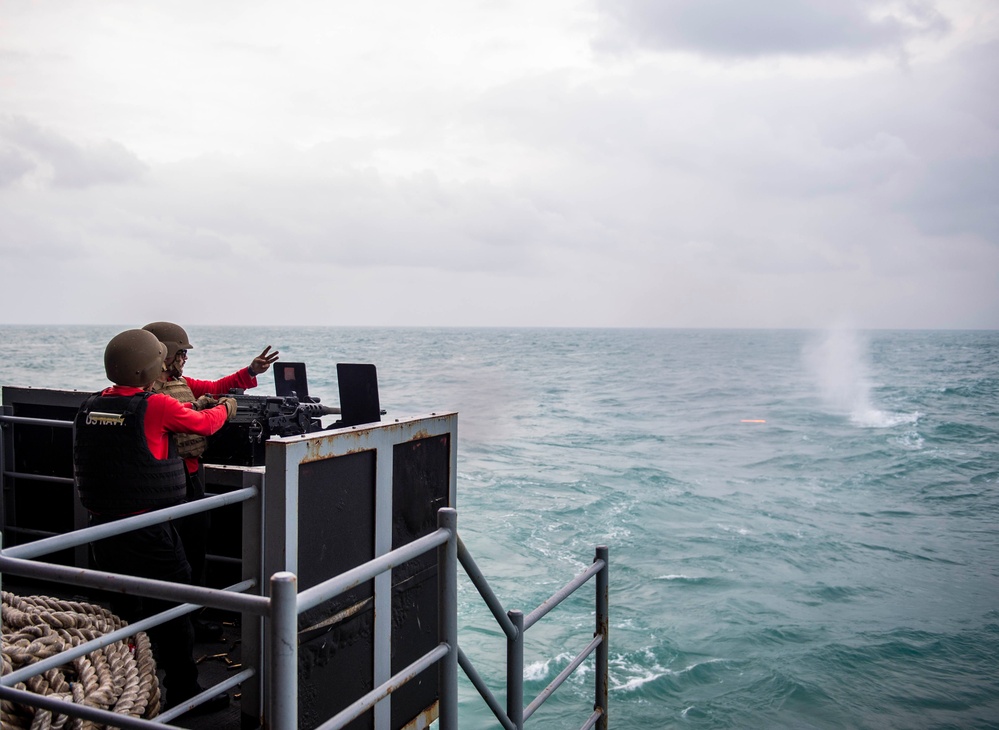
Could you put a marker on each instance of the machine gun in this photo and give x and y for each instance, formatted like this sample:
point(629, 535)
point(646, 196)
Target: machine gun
point(277, 415)
point(240, 442)
point(292, 412)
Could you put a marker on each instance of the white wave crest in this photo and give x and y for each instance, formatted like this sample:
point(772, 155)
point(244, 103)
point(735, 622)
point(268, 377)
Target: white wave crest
point(910, 441)
point(873, 418)
point(651, 674)
point(636, 682)
point(536, 671)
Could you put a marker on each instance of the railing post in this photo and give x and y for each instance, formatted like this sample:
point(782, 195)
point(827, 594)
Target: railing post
point(251, 704)
point(4, 411)
point(447, 618)
point(603, 624)
point(283, 700)
point(515, 671)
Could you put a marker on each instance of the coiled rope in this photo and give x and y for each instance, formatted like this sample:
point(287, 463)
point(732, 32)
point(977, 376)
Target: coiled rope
point(121, 677)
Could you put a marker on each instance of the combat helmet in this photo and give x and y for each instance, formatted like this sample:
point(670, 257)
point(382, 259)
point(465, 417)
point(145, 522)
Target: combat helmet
point(134, 357)
point(170, 334)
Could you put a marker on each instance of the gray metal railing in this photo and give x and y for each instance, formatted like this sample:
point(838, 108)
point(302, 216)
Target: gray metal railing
point(514, 625)
point(282, 608)
point(21, 560)
point(280, 613)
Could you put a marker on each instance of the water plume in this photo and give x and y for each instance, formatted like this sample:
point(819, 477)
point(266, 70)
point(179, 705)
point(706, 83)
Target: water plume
point(838, 360)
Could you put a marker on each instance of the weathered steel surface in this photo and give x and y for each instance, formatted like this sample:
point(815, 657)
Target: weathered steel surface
point(356, 493)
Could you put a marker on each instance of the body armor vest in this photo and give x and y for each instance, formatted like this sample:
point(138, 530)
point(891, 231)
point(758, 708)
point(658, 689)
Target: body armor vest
point(116, 473)
point(189, 445)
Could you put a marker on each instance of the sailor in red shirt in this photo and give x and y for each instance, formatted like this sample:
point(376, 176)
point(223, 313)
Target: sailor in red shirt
point(166, 416)
point(125, 463)
point(185, 389)
point(196, 394)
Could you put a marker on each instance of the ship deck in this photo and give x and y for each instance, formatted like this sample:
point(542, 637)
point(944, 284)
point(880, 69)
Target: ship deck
point(216, 661)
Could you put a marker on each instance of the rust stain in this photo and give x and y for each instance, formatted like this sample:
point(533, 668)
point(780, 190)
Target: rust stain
point(313, 451)
point(424, 719)
point(317, 449)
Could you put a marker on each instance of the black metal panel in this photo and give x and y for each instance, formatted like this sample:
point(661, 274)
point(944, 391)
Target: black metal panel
point(234, 445)
point(44, 402)
point(336, 532)
point(34, 508)
point(336, 516)
point(290, 379)
point(335, 669)
point(45, 450)
point(358, 387)
point(421, 477)
point(225, 534)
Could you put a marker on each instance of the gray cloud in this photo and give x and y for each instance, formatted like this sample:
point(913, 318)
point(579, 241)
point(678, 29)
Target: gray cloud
point(739, 29)
point(649, 190)
point(33, 148)
point(958, 196)
point(324, 213)
point(14, 164)
point(33, 234)
point(786, 157)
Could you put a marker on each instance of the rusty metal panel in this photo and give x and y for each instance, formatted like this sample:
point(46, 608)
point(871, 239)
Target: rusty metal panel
point(334, 500)
point(421, 471)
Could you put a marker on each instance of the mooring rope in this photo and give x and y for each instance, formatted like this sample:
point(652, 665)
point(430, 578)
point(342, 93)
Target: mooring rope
point(121, 677)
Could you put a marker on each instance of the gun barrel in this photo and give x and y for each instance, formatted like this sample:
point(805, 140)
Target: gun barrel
point(318, 409)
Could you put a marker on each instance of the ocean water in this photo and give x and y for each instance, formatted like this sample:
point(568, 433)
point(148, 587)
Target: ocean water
point(803, 526)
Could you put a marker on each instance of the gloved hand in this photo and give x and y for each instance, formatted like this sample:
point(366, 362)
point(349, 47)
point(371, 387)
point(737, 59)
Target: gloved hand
point(230, 407)
point(262, 362)
point(204, 403)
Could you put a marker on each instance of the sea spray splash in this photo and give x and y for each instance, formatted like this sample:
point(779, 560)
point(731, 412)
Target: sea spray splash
point(839, 363)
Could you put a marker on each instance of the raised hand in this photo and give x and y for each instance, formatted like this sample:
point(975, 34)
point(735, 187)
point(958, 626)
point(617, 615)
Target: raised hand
point(262, 362)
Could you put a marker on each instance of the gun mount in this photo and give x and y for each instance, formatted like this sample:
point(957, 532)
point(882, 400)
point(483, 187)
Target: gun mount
point(240, 442)
point(277, 415)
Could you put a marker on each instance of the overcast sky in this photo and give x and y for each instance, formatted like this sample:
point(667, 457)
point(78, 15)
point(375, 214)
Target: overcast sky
point(640, 163)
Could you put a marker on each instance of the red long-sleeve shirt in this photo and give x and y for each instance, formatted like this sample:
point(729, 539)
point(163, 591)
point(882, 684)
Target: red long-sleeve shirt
point(165, 415)
point(239, 379)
